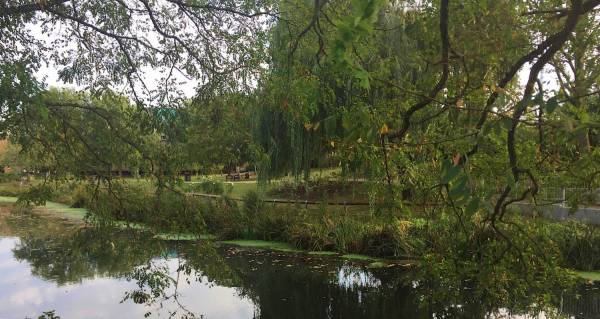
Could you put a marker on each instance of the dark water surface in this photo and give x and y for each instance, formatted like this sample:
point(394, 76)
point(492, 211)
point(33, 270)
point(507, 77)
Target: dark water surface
point(48, 264)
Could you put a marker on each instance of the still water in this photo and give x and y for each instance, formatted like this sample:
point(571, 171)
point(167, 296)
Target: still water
point(49, 264)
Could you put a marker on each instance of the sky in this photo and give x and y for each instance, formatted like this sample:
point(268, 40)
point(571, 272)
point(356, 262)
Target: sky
point(48, 72)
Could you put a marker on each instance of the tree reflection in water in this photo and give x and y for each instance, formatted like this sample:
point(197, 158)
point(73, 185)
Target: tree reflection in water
point(277, 284)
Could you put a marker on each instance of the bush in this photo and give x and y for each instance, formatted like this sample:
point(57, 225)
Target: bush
point(397, 239)
point(206, 186)
point(12, 189)
point(253, 203)
point(224, 219)
point(579, 244)
point(73, 194)
point(10, 177)
point(169, 211)
point(382, 241)
point(272, 224)
point(212, 187)
point(36, 195)
point(311, 236)
point(331, 232)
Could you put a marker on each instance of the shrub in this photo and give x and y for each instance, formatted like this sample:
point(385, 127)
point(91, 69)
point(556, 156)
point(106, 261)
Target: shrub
point(253, 203)
point(381, 241)
point(331, 232)
point(206, 186)
point(224, 219)
point(212, 187)
point(579, 244)
point(311, 236)
point(10, 177)
point(346, 234)
point(36, 195)
point(271, 224)
point(169, 211)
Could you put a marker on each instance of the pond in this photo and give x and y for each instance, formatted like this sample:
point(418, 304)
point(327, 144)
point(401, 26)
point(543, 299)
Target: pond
point(65, 269)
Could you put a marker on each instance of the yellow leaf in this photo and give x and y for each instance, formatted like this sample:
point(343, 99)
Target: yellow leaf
point(460, 103)
point(384, 129)
point(332, 143)
point(308, 126)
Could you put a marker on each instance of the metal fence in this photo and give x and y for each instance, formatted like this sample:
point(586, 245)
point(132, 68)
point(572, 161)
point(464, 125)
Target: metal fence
point(562, 195)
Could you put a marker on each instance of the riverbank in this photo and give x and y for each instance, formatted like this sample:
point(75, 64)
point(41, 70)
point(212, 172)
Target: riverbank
point(78, 214)
point(253, 243)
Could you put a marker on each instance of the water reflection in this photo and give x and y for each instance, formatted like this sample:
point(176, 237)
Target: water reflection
point(90, 273)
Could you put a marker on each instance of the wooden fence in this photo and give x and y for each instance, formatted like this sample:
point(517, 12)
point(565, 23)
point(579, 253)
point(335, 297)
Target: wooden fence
point(286, 201)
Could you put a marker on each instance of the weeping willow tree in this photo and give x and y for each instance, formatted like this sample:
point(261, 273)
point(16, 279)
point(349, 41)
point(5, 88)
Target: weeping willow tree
point(319, 110)
point(304, 97)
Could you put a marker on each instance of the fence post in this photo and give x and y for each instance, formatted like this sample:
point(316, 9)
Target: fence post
point(563, 196)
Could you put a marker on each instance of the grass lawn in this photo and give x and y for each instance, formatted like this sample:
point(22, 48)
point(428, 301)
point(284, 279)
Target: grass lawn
point(589, 275)
point(57, 208)
point(239, 189)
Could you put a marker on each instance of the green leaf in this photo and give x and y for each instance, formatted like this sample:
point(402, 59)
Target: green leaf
point(539, 98)
point(449, 171)
point(459, 189)
point(510, 180)
point(552, 104)
point(363, 76)
point(44, 113)
point(472, 206)
point(487, 128)
point(506, 123)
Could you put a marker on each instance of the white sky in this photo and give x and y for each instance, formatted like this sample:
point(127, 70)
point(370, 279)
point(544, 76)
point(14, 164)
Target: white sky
point(49, 75)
